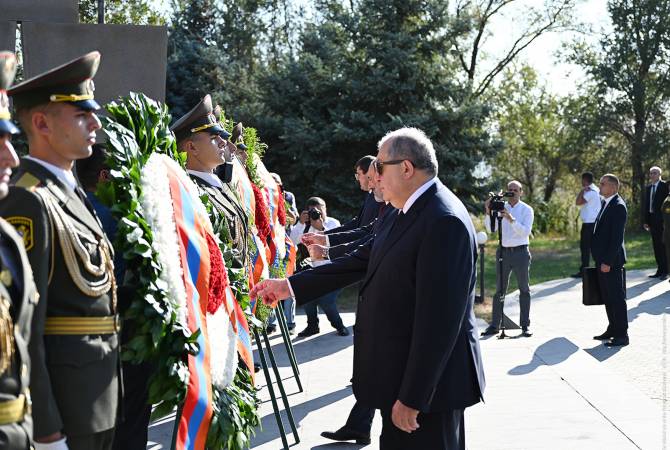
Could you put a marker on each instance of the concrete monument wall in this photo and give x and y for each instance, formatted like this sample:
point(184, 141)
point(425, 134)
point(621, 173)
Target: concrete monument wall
point(64, 11)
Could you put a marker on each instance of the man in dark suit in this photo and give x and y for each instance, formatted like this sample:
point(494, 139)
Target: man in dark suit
point(74, 347)
point(657, 191)
point(609, 253)
point(369, 208)
point(415, 323)
point(18, 295)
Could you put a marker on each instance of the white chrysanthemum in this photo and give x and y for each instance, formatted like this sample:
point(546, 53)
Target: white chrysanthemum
point(156, 202)
point(223, 345)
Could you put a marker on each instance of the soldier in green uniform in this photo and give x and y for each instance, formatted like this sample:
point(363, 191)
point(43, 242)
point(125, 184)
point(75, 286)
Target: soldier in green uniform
point(74, 345)
point(206, 144)
point(18, 295)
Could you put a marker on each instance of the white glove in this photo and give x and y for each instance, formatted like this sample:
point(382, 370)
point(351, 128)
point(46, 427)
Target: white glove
point(56, 445)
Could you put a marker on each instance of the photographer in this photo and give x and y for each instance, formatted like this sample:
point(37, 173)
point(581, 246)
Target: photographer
point(315, 219)
point(517, 224)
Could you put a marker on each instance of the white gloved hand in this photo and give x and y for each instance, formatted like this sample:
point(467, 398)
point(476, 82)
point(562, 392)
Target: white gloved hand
point(56, 445)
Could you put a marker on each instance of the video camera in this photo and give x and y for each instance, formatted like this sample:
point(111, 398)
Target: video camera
point(497, 200)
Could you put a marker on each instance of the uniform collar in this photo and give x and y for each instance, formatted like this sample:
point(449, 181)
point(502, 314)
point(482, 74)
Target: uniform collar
point(209, 177)
point(65, 176)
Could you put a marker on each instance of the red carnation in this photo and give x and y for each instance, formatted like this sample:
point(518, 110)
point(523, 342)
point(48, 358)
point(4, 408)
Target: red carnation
point(262, 214)
point(281, 207)
point(218, 278)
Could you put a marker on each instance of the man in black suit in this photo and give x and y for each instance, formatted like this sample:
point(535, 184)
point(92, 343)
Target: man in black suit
point(415, 322)
point(609, 253)
point(657, 191)
point(368, 212)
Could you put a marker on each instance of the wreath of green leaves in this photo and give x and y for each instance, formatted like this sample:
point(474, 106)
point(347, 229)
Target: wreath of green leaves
point(136, 128)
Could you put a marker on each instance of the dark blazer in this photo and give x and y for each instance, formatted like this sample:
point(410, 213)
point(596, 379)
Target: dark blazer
point(228, 207)
point(415, 337)
point(361, 235)
point(21, 295)
point(659, 197)
point(607, 244)
point(74, 379)
point(367, 214)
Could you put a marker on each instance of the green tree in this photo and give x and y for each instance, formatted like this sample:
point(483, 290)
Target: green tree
point(135, 12)
point(631, 68)
point(363, 69)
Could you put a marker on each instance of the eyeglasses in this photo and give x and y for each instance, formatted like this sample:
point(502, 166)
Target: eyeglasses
point(379, 165)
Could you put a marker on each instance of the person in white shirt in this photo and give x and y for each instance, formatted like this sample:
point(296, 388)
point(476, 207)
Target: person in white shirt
point(588, 201)
point(517, 224)
point(310, 222)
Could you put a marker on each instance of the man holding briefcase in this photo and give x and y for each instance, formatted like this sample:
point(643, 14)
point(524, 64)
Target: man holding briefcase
point(609, 253)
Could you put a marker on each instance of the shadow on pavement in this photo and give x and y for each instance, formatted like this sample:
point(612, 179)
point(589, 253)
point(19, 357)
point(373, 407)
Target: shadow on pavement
point(269, 424)
point(602, 353)
point(654, 306)
point(642, 287)
point(552, 352)
point(567, 284)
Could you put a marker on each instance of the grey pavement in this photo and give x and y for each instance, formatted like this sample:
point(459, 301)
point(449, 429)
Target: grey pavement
point(558, 389)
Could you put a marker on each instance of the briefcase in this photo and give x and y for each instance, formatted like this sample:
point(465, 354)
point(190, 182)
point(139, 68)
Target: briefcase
point(590, 288)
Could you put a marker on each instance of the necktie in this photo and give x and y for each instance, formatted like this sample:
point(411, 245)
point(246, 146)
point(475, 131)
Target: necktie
point(652, 194)
point(600, 213)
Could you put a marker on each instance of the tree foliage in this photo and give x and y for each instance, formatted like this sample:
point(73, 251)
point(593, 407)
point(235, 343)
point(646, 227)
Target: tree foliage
point(136, 12)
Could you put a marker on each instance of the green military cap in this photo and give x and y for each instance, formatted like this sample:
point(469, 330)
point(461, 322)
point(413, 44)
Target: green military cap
point(7, 72)
point(217, 113)
point(70, 83)
point(238, 136)
point(200, 118)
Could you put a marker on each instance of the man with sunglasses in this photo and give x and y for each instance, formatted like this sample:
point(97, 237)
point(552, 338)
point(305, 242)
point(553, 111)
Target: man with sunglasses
point(416, 350)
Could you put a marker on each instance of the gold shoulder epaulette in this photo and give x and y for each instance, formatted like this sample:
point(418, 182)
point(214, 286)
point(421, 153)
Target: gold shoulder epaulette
point(28, 181)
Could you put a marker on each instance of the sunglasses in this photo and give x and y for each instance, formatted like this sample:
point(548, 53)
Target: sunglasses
point(379, 165)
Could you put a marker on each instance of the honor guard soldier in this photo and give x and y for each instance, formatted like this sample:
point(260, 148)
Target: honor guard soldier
point(206, 144)
point(18, 295)
point(74, 346)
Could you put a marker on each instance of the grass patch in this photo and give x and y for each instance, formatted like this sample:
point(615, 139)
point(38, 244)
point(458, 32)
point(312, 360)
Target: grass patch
point(552, 258)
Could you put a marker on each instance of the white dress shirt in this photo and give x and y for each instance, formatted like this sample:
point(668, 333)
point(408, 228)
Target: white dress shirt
point(607, 202)
point(416, 194)
point(65, 176)
point(589, 210)
point(209, 177)
point(515, 233)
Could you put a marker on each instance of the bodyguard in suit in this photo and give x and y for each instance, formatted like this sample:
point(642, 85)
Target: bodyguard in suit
point(369, 208)
point(18, 295)
point(74, 344)
point(416, 350)
point(657, 191)
point(609, 253)
point(206, 144)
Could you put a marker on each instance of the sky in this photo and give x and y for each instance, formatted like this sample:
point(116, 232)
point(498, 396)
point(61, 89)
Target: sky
point(561, 78)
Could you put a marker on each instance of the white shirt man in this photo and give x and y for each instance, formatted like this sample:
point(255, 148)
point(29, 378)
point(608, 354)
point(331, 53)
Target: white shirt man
point(515, 232)
point(589, 210)
point(588, 201)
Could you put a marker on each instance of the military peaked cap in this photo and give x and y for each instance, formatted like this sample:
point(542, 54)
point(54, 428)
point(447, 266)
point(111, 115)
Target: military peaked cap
point(217, 115)
point(70, 83)
point(200, 118)
point(238, 136)
point(7, 72)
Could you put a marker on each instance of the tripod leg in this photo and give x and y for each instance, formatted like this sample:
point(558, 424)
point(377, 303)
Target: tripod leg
point(289, 347)
point(280, 384)
point(273, 397)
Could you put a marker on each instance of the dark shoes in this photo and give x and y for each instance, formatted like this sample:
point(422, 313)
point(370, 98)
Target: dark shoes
point(525, 332)
point(309, 331)
point(292, 330)
point(490, 331)
point(342, 331)
point(618, 342)
point(270, 329)
point(603, 337)
point(660, 275)
point(346, 434)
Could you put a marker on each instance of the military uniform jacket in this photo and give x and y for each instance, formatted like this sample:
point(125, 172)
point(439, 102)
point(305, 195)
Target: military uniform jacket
point(21, 296)
point(74, 378)
point(227, 205)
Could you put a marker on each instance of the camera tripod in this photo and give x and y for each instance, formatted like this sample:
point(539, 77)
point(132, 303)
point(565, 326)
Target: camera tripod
point(499, 278)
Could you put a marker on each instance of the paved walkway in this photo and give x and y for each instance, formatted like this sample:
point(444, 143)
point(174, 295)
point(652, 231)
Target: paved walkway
point(556, 390)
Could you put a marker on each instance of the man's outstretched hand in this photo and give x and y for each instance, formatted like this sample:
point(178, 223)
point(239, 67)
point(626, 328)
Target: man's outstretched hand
point(271, 291)
point(313, 238)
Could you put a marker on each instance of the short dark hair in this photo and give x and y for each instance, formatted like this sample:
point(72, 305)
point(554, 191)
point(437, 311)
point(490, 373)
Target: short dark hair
point(364, 163)
point(88, 169)
point(315, 201)
point(588, 176)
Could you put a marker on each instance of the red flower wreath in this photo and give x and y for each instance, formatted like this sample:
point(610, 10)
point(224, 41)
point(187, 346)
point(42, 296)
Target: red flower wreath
point(218, 277)
point(262, 214)
point(281, 208)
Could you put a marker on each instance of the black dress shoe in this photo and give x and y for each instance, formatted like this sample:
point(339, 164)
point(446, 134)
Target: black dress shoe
point(346, 434)
point(662, 276)
point(656, 275)
point(490, 331)
point(342, 331)
point(309, 331)
point(525, 332)
point(270, 329)
point(617, 342)
point(604, 337)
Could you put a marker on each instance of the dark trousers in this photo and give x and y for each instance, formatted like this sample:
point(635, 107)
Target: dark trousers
point(585, 237)
point(328, 304)
point(97, 441)
point(517, 260)
point(360, 418)
point(132, 432)
point(437, 431)
point(656, 230)
point(614, 295)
